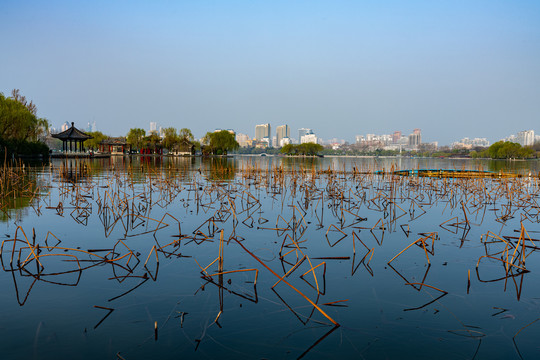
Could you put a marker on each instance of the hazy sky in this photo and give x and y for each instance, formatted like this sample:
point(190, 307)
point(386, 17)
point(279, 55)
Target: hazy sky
point(452, 68)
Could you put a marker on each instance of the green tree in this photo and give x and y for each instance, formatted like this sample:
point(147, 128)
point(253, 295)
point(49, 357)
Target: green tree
point(310, 148)
point(170, 138)
point(18, 119)
point(152, 141)
point(219, 143)
point(508, 150)
point(288, 149)
point(135, 138)
point(97, 138)
point(185, 135)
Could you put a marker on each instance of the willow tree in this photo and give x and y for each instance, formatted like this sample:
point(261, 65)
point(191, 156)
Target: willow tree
point(135, 138)
point(18, 118)
point(170, 138)
point(97, 138)
point(219, 143)
point(508, 150)
point(185, 135)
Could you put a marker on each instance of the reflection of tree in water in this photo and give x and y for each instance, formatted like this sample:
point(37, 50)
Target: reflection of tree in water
point(300, 162)
point(218, 169)
point(18, 185)
point(343, 202)
point(139, 167)
point(514, 166)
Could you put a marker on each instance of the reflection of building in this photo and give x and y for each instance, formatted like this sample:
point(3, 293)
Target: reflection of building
point(282, 131)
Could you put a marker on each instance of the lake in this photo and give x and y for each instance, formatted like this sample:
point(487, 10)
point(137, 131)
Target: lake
point(269, 257)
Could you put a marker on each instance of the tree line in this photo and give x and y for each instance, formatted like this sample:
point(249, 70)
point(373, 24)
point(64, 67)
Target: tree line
point(505, 150)
point(309, 149)
point(213, 143)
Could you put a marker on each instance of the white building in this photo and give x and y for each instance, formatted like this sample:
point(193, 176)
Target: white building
point(302, 132)
point(285, 141)
point(282, 131)
point(267, 141)
point(153, 129)
point(467, 143)
point(309, 138)
point(65, 126)
point(525, 138)
point(243, 140)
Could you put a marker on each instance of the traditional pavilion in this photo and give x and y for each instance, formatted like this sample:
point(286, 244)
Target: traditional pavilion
point(72, 139)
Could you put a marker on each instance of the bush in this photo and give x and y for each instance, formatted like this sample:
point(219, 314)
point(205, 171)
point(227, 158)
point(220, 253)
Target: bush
point(10, 148)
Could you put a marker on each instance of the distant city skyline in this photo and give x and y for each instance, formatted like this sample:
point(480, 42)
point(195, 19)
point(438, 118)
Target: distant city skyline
point(342, 68)
point(523, 137)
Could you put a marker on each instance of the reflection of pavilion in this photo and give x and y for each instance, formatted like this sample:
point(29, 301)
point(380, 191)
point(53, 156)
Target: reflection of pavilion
point(74, 170)
point(72, 140)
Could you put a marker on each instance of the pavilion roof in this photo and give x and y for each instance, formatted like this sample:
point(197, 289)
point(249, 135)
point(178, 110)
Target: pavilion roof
point(72, 134)
point(114, 141)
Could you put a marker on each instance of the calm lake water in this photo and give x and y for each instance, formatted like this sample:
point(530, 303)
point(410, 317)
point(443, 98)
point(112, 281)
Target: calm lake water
point(119, 259)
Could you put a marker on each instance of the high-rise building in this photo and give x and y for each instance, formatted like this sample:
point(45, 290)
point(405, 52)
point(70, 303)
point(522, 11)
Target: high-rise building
point(309, 138)
point(153, 129)
point(243, 140)
point(285, 141)
point(65, 126)
point(415, 138)
point(396, 136)
point(302, 132)
point(262, 131)
point(525, 138)
point(282, 131)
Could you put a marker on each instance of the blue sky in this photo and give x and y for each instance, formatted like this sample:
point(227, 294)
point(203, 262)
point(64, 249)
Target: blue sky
point(451, 68)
